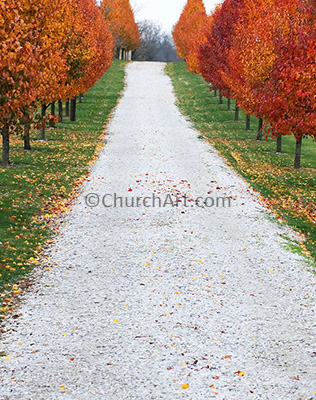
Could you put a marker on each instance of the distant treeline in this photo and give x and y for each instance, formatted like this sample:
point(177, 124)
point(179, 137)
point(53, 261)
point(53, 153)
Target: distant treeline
point(156, 45)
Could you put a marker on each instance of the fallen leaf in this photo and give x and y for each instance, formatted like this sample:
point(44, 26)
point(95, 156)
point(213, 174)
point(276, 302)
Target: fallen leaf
point(185, 386)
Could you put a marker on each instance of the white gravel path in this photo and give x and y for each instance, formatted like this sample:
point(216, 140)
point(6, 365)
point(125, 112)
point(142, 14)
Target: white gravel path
point(142, 300)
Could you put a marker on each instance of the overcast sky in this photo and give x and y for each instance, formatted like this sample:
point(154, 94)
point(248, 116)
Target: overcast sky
point(166, 12)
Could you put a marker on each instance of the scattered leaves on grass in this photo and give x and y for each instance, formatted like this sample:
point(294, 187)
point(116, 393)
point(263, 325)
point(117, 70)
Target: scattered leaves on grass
point(41, 184)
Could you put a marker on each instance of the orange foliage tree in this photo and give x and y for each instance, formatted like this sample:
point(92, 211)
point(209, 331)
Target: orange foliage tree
point(47, 51)
point(187, 28)
point(32, 60)
point(198, 39)
point(89, 51)
point(121, 20)
point(100, 47)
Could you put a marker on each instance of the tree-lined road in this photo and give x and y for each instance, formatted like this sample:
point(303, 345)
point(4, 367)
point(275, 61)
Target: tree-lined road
point(164, 302)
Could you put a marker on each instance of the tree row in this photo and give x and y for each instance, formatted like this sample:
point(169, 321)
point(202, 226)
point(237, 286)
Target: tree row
point(262, 54)
point(52, 52)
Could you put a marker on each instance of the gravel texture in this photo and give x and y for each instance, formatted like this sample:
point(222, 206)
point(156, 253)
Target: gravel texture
point(141, 301)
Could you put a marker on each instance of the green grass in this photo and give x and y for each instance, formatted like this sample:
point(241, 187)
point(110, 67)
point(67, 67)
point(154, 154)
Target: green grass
point(37, 185)
point(290, 193)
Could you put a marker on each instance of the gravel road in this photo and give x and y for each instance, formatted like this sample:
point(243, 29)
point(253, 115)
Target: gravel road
point(174, 302)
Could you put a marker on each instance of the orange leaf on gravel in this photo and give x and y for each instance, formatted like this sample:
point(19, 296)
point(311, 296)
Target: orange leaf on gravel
point(185, 386)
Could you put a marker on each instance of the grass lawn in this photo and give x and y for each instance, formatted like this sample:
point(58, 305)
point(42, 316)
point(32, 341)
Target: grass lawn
point(288, 192)
point(40, 183)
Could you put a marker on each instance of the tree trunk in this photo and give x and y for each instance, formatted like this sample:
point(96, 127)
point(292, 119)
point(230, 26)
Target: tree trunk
point(73, 109)
point(5, 146)
point(60, 110)
point(248, 122)
point(236, 113)
point(215, 92)
point(79, 98)
point(259, 135)
point(220, 99)
point(52, 108)
point(298, 151)
point(43, 127)
point(27, 127)
point(279, 143)
point(228, 104)
point(67, 108)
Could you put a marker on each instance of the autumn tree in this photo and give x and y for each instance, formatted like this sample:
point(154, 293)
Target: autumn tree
point(288, 97)
point(121, 20)
point(54, 26)
point(89, 51)
point(184, 32)
point(31, 59)
point(252, 53)
point(101, 47)
point(213, 55)
point(272, 66)
point(199, 38)
point(48, 51)
point(262, 53)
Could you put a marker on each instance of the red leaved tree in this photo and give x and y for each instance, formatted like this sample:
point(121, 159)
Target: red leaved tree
point(213, 55)
point(252, 53)
point(288, 97)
